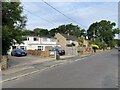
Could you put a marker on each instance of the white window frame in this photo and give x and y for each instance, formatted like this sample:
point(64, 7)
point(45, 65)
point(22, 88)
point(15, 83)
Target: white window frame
point(40, 48)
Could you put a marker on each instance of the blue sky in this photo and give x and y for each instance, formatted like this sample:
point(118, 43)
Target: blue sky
point(84, 13)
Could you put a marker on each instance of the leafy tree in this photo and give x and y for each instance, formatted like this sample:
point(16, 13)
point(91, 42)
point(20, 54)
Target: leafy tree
point(68, 29)
point(103, 31)
point(53, 31)
point(41, 32)
point(117, 42)
point(13, 22)
point(80, 41)
point(28, 32)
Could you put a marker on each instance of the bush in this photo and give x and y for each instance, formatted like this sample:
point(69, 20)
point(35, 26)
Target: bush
point(102, 45)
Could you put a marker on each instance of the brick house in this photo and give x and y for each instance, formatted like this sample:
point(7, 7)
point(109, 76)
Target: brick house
point(66, 40)
point(68, 43)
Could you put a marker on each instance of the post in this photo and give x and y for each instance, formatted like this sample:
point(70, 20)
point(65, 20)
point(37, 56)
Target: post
point(72, 49)
point(55, 54)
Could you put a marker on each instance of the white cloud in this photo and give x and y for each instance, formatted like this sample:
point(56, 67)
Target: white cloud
point(69, 0)
point(84, 13)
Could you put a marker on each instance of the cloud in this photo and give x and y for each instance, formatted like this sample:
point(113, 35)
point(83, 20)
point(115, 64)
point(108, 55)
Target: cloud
point(70, 0)
point(83, 12)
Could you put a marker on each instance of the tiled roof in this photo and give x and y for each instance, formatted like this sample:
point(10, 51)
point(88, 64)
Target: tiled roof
point(69, 37)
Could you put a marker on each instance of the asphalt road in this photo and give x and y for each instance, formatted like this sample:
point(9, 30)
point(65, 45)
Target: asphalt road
point(98, 71)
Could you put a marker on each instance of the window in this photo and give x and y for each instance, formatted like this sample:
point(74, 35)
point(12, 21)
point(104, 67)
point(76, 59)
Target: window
point(14, 47)
point(22, 47)
point(35, 39)
point(52, 40)
point(40, 47)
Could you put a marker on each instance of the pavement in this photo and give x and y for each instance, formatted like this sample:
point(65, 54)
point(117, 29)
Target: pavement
point(99, 70)
point(38, 65)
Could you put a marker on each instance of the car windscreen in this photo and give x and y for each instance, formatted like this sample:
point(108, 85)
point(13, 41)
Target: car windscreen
point(19, 50)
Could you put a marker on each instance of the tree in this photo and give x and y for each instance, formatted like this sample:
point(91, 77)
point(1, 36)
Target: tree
point(103, 31)
point(68, 29)
point(13, 22)
point(40, 32)
point(28, 32)
point(80, 41)
point(117, 42)
point(53, 31)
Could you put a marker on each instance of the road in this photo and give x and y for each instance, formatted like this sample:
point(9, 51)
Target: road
point(98, 71)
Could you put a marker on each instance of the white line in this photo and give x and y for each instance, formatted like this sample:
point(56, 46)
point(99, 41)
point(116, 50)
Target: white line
point(79, 59)
point(39, 70)
point(29, 73)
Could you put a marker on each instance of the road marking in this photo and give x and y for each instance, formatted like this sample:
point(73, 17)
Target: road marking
point(13, 78)
point(24, 68)
point(79, 59)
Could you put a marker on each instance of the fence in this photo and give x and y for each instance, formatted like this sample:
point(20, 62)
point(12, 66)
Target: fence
point(70, 50)
point(77, 50)
point(39, 53)
point(85, 50)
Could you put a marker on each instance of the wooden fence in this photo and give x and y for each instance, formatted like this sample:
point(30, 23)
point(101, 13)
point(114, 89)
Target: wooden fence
point(39, 53)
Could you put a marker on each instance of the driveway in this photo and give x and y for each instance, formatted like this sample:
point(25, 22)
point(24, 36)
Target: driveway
point(17, 61)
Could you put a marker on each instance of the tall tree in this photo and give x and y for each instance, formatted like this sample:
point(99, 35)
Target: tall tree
point(53, 31)
point(13, 21)
point(41, 32)
point(104, 31)
point(68, 29)
point(28, 32)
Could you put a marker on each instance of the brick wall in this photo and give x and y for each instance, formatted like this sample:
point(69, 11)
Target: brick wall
point(4, 62)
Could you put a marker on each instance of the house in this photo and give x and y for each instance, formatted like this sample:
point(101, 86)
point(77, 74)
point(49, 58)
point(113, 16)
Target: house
point(69, 43)
point(85, 43)
point(66, 40)
point(36, 43)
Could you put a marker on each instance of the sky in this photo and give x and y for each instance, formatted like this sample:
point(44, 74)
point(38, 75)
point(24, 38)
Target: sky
point(40, 15)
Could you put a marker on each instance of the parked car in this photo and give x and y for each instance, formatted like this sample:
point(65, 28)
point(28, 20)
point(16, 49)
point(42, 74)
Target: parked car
point(18, 52)
point(119, 49)
point(61, 52)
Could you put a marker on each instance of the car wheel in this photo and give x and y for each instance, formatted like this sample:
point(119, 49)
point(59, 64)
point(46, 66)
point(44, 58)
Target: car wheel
point(11, 54)
point(25, 54)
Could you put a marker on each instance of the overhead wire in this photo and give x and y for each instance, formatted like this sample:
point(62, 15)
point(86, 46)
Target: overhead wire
point(40, 17)
point(62, 13)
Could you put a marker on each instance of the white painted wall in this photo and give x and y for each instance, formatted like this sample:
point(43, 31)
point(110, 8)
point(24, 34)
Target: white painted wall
point(33, 45)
